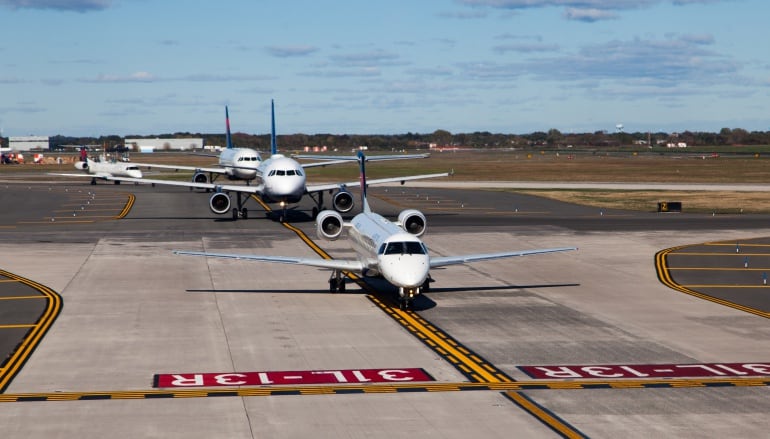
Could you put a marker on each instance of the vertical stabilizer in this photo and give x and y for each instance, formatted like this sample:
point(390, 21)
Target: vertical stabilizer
point(362, 181)
point(228, 139)
point(273, 145)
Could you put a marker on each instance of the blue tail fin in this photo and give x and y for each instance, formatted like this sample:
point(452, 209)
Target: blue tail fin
point(228, 139)
point(273, 145)
point(362, 181)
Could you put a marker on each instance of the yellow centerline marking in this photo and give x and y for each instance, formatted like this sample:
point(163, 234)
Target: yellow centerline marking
point(480, 370)
point(552, 421)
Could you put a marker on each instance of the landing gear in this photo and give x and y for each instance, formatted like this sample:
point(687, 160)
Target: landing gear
point(406, 298)
point(243, 213)
point(319, 202)
point(240, 211)
point(93, 181)
point(337, 282)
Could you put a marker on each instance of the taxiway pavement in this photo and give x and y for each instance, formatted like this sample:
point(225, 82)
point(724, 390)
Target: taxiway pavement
point(132, 309)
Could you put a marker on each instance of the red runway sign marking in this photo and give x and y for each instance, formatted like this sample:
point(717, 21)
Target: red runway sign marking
point(637, 371)
point(352, 376)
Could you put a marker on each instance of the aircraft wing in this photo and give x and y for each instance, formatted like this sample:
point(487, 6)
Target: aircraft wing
point(255, 189)
point(335, 160)
point(329, 264)
point(329, 186)
point(215, 170)
point(103, 175)
point(455, 260)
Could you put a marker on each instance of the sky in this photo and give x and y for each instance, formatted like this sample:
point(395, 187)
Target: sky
point(145, 67)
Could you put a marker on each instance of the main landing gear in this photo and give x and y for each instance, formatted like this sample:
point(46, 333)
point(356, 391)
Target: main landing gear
point(240, 211)
point(337, 282)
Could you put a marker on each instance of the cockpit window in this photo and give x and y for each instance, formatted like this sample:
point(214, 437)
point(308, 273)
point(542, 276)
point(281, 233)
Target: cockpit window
point(290, 172)
point(299, 172)
point(408, 247)
point(280, 172)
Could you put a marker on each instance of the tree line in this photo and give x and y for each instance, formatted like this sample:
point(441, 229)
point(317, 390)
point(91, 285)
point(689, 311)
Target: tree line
point(553, 138)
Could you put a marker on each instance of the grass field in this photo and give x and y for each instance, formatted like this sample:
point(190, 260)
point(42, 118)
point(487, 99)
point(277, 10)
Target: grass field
point(537, 166)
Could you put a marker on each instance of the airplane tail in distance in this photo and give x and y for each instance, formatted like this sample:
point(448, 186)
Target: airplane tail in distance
point(362, 181)
point(273, 144)
point(228, 139)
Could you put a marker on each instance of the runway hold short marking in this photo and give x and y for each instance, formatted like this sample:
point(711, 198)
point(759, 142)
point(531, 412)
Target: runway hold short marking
point(352, 376)
point(636, 371)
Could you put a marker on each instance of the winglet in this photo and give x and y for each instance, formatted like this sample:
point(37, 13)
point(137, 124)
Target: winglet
point(273, 145)
point(362, 181)
point(228, 139)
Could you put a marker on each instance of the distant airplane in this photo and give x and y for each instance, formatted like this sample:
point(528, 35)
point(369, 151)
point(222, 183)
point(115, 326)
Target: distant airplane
point(234, 163)
point(105, 170)
point(392, 250)
point(282, 180)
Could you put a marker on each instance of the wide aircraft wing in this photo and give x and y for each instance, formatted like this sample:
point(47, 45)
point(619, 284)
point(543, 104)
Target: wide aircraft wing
point(443, 261)
point(335, 160)
point(251, 189)
point(215, 169)
point(329, 264)
point(330, 186)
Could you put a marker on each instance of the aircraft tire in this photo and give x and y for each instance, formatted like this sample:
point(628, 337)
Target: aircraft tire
point(244, 213)
point(235, 214)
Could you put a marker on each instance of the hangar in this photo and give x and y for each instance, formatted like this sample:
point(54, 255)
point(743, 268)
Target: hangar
point(150, 145)
point(28, 143)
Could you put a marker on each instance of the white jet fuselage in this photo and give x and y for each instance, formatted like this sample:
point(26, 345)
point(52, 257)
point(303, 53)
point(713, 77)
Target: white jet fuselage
point(114, 169)
point(386, 249)
point(283, 179)
point(240, 163)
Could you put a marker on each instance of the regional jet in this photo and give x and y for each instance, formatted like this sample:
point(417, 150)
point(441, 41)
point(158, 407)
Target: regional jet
point(281, 179)
point(234, 163)
point(105, 169)
point(391, 250)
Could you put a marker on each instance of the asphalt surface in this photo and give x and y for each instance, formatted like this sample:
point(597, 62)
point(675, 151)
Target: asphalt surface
point(644, 288)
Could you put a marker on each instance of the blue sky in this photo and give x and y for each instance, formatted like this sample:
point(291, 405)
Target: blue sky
point(98, 67)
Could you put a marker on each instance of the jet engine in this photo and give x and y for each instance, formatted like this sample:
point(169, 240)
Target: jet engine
point(83, 166)
point(219, 203)
point(200, 177)
point(329, 225)
point(412, 221)
point(343, 201)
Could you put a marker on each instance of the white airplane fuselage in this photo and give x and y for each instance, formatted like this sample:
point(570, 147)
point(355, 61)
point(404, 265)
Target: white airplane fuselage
point(114, 169)
point(386, 249)
point(240, 163)
point(283, 179)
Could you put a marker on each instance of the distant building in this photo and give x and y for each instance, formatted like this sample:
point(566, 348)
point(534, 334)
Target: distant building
point(28, 143)
point(150, 145)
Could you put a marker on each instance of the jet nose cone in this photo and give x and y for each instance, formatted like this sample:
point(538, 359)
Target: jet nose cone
point(405, 270)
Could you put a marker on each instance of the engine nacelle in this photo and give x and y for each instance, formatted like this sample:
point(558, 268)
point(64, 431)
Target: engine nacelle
point(412, 221)
point(200, 177)
point(83, 166)
point(343, 201)
point(219, 203)
point(329, 225)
